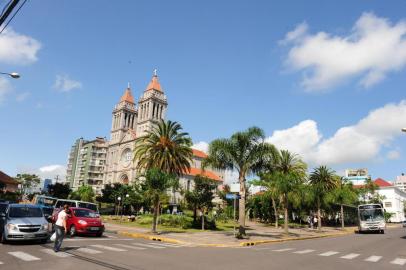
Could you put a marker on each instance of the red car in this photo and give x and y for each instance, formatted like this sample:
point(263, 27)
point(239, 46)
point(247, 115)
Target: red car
point(82, 221)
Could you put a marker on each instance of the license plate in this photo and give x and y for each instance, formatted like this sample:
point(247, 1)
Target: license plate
point(94, 228)
point(28, 236)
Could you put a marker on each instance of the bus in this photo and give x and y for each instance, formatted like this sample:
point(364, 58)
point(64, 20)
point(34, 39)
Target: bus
point(371, 218)
point(46, 203)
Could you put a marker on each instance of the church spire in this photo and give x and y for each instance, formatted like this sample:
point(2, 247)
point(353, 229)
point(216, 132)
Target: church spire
point(127, 96)
point(154, 83)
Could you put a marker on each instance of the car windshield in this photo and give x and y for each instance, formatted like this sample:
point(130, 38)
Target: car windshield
point(371, 215)
point(21, 212)
point(85, 213)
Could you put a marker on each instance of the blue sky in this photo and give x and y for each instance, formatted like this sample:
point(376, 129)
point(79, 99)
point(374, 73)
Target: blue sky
point(324, 79)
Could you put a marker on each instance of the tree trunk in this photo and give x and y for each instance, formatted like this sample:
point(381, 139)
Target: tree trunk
point(194, 214)
point(286, 225)
point(318, 215)
point(203, 220)
point(275, 211)
point(156, 211)
point(241, 212)
point(342, 217)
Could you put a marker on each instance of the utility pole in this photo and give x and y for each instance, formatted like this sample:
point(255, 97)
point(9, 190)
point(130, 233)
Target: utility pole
point(8, 11)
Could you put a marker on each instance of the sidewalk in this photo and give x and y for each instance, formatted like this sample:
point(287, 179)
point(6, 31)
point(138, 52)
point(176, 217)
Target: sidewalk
point(256, 234)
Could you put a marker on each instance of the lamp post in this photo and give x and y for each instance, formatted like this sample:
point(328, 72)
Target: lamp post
point(404, 129)
point(118, 208)
point(13, 75)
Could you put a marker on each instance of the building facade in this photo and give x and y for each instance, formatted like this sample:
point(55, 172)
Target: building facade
point(400, 182)
point(130, 120)
point(357, 176)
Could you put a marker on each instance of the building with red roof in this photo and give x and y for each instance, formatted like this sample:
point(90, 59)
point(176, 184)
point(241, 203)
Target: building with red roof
point(8, 182)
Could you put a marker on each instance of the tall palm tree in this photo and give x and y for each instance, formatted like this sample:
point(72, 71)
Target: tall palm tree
point(165, 147)
point(247, 153)
point(322, 180)
point(290, 172)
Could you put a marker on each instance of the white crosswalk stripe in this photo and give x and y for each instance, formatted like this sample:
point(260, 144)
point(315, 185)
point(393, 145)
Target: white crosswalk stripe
point(59, 254)
point(89, 250)
point(1, 263)
point(146, 245)
point(108, 248)
point(373, 258)
point(130, 247)
point(398, 261)
point(350, 256)
point(304, 251)
point(24, 256)
point(282, 250)
point(328, 253)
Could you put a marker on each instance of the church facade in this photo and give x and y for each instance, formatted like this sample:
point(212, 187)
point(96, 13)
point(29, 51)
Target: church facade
point(111, 161)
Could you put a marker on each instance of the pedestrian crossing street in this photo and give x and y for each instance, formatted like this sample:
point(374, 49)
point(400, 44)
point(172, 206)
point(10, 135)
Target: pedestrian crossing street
point(340, 255)
point(43, 253)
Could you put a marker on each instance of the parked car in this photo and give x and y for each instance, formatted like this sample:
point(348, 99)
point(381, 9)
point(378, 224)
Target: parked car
point(83, 221)
point(3, 209)
point(24, 222)
point(404, 223)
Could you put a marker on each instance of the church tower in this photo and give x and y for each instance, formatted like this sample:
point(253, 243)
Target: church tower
point(151, 106)
point(124, 117)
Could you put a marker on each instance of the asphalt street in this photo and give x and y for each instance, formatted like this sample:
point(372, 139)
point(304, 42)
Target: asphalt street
point(358, 251)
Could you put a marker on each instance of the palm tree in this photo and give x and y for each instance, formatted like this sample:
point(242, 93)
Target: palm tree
point(165, 147)
point(290, 172)
point(344, 193)
point(247, 153)
point(322, 180)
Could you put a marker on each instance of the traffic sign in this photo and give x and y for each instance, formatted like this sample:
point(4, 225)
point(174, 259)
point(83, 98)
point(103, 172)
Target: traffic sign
point(232, 196)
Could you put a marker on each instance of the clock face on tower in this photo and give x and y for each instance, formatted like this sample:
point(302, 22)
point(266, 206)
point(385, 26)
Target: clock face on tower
point(126, 157)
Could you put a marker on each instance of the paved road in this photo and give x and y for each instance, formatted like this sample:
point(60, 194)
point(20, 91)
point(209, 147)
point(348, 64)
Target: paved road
point(365, 251)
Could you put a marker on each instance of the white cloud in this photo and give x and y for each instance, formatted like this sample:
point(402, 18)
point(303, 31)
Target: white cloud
point(356, 143)
point(202, 146)
point(394, 154)
point(18, 49)
point(23, 96)
point(374, 47)
point(5, 89)
point(48, 172)
point(65, 84)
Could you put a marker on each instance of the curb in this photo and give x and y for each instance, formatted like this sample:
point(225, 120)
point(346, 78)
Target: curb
point(254, 243)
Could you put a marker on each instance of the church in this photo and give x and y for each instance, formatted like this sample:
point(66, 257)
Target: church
point(100, 161)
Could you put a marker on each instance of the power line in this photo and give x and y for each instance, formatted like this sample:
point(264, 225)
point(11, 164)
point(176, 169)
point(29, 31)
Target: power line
point(13, 15)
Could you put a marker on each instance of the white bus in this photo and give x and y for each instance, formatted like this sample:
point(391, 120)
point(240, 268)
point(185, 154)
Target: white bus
point(371, 218)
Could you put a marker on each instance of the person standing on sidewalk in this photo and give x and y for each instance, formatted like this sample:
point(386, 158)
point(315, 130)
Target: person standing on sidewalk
point(60, 227)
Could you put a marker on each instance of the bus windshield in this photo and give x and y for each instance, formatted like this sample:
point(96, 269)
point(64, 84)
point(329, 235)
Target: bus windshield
point(371, 214)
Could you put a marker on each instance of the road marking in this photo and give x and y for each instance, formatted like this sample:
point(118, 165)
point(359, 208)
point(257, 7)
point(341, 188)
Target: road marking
point(130, 247)
point(145, 245)
point(166, 245)
point(282, 250)
point(398, 261)
point(350, 256)
point(108, 248)
point(89, 250)
point(97, 239)
point(57, 254)
point(304, 251)
point(328, 253)
point(24, 256)
point(373, 258)
point(1, 263)
point(110, 236)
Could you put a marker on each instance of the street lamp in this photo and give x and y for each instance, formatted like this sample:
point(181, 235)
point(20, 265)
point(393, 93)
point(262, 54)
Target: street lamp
point(404, 129)
point(13, 75)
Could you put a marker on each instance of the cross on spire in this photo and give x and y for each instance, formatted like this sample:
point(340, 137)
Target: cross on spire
point(155, 72)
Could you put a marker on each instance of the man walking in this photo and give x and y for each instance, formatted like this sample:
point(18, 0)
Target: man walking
point(60, 227)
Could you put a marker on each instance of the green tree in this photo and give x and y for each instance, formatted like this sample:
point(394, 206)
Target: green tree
point(247, 153)
point(344, 193)
point(156, 185)
point(27, 181)
point(201, 197)
point(322, 181)
point(85, 193)
point(59, 190)
point(166, 148)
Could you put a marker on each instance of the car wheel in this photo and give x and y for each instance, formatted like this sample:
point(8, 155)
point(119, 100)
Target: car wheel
point(43, 241)
point(72, 231)
point(3, 239)
point(99, 234)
